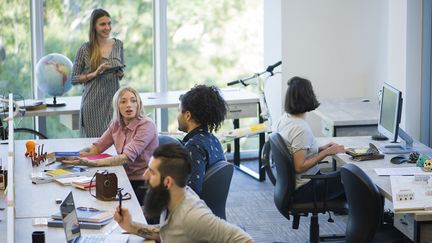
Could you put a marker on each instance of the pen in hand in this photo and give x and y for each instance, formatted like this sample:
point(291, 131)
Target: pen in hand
point(120, 196)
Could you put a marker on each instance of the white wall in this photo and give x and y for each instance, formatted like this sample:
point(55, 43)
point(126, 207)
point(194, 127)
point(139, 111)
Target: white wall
point(404, 58)
point(338, 44)
point(348, 48)
point(273, 53)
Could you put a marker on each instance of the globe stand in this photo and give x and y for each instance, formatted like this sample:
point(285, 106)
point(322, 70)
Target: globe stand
point(55, 103)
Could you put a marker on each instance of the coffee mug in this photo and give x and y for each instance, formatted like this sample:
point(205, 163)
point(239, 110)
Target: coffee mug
point(38, 237)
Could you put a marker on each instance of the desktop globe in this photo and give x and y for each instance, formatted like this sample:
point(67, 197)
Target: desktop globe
point(54, 73)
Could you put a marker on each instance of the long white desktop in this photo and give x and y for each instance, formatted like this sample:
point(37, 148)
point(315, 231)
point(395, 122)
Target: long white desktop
point(38, 201)
point(241, 104)
point(415, 225)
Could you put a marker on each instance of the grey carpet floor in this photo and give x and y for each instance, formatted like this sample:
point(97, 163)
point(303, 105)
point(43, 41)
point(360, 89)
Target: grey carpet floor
point(250, 205)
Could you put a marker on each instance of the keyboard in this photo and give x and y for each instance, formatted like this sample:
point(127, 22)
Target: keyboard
point(92, 238)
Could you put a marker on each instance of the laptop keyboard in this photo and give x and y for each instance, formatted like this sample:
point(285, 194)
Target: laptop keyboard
point(92, 238)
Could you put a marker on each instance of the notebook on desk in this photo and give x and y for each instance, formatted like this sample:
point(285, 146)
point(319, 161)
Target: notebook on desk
point(73, 230)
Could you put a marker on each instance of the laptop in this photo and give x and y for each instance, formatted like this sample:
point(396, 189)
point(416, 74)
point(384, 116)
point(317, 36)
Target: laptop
point(72, 228)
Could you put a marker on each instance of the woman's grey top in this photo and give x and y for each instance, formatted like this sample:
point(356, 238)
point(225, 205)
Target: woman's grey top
point(96, 102)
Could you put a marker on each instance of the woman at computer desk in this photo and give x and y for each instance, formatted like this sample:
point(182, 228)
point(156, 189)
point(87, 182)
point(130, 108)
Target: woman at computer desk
point(133, 135)
point(297, 134)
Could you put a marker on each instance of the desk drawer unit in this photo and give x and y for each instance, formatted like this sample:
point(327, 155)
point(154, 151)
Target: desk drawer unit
point(329, 130)
point(236, 111)
point(405, 223)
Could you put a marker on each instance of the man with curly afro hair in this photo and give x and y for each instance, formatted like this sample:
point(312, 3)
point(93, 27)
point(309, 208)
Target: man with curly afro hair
point(201, 111)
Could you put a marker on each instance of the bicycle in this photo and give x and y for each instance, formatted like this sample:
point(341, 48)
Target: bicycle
point(264, 125)
point(4, 132)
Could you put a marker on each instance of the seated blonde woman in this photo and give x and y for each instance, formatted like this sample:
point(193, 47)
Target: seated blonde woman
point(133, 135)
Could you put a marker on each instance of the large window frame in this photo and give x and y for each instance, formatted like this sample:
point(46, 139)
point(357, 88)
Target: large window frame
point(159, 55)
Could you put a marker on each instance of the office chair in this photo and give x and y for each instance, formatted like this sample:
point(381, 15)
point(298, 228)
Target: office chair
point(141, 190)
point(217, 181)
point(284, 196)
point(165, 139)
point(365, 209)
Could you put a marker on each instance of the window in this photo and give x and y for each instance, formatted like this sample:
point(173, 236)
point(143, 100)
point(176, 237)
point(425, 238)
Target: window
point(210, 42)
point(213, 42)
point(15, 53)
point(66, 29)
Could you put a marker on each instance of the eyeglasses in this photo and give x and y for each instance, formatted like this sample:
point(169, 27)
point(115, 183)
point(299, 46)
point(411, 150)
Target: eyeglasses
point(88, 209)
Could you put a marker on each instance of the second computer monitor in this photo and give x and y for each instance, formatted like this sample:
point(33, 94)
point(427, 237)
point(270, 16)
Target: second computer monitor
point(390, 112)
point(389, 119)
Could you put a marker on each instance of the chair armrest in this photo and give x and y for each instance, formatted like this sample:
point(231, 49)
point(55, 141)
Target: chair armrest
point(321, 176)
point(325, 177)
point(334, 166)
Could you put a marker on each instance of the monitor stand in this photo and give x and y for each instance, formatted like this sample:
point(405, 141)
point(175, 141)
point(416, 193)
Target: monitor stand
point(399, 148)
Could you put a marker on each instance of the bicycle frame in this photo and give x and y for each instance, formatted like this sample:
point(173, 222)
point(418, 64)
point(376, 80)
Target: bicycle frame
point(262, 128)
point(254, 79)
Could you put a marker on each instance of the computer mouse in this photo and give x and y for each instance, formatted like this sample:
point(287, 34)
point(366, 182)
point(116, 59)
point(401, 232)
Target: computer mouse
point(399, 159)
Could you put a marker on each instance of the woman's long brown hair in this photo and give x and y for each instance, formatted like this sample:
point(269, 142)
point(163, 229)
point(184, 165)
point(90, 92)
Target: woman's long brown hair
point(95, 54)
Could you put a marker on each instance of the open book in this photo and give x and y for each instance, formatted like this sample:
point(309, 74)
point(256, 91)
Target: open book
point(367, 153)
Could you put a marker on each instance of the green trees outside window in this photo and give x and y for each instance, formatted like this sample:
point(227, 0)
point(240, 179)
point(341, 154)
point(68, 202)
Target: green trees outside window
point(209, 41)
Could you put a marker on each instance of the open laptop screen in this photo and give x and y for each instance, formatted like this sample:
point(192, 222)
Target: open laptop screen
point(70, 219)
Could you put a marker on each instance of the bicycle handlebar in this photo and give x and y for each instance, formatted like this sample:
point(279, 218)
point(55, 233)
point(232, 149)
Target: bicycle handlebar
point(269, 69)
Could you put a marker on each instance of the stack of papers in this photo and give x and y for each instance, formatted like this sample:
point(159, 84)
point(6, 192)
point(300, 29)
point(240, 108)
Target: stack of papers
point(67, 181)
point(49, 176)
point(421, 201)
point(89, 215)
point(89, 218)
point(84, 183)
point(58, 172)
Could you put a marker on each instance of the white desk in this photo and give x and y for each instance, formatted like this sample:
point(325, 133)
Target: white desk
point(38, 201)
point(348, 117)
point(416, 226)
point(241, 104)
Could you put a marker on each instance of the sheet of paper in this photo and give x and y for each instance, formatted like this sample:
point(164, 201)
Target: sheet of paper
point(400, 171)
point(422, 201)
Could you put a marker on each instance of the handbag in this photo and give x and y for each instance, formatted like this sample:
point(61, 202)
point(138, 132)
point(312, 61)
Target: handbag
point(106, 185)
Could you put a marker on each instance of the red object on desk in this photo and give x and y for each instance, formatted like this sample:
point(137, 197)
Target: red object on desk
point(96, 156)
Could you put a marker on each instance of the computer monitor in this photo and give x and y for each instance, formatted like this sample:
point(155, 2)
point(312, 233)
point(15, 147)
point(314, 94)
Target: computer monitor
point(389, 119)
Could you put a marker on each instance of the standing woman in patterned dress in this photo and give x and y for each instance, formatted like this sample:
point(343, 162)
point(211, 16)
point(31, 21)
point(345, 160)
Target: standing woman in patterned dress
point(93, 57)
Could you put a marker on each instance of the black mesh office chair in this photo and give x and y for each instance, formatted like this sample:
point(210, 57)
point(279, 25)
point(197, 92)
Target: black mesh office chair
point(164, 139)
point(216, 185)
point(141, 190)
point(365, 209)
point(284, 196)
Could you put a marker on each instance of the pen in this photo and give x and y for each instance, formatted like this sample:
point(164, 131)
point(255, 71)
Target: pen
point(120, 201)
point(50, 163)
